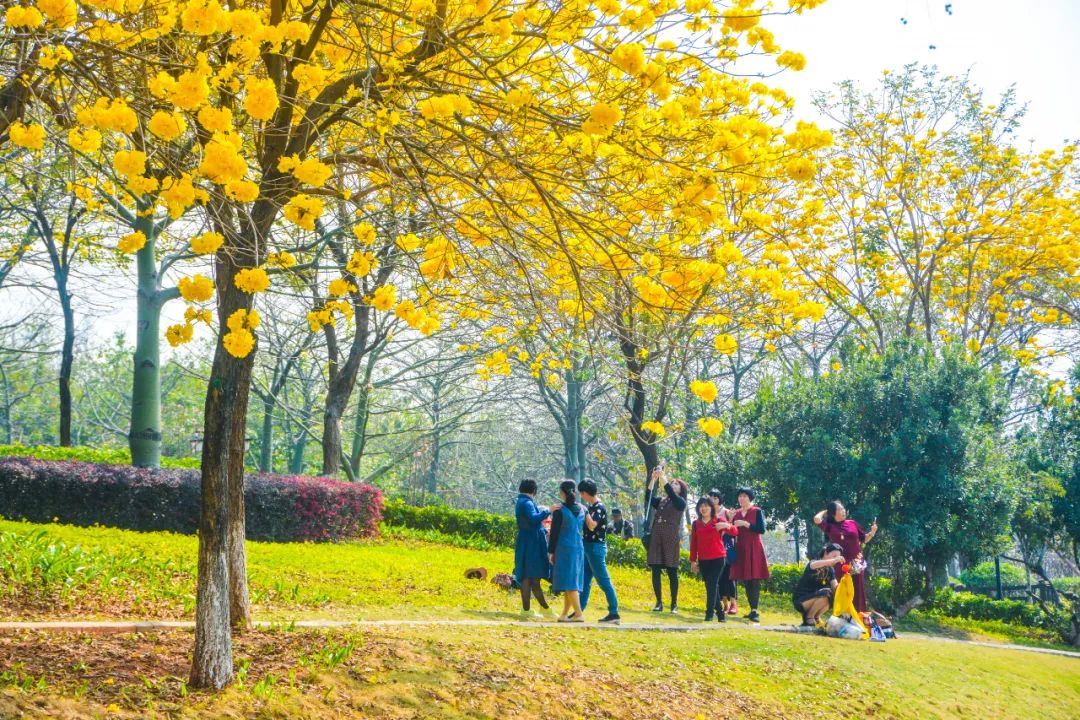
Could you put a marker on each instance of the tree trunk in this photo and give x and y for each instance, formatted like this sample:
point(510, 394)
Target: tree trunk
point(221, 590)
point(212, 665)
point(331, 439)
point(144, 434)
point(67, 359)
point(239, 599)
point(359, 438)
point(266, 437)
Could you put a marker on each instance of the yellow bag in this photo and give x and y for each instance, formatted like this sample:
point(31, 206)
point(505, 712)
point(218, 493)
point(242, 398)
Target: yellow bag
point(844, 603)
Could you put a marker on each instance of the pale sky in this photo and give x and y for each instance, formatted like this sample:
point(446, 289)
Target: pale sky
point(1034, 44)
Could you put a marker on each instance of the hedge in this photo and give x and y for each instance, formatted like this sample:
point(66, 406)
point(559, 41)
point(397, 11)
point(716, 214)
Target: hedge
point(277, 508)
point(500, 530)
point(108, 456)
point(980, 607)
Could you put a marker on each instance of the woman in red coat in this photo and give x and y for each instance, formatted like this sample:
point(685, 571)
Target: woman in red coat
point(708, 555)
point(750, 566)
point(849, 535)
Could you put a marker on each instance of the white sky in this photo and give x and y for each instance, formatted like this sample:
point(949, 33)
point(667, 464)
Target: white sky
point(1034, 44)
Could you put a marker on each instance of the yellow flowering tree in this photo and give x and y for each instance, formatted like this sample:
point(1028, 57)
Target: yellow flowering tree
point(529, 131)
point(929, 220)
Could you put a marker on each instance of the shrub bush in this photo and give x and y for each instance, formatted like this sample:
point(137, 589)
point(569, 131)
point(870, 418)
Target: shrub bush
point(499, 530)
point(983, 575)
point(109, 456)
point(980, 607)
point(782, 579)
point(277, 508)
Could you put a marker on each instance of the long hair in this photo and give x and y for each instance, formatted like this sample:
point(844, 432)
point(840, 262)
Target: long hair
point(569, 490)
point(830, 510)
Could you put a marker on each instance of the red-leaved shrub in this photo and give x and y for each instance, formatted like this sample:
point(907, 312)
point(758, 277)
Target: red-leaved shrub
point(278, 508)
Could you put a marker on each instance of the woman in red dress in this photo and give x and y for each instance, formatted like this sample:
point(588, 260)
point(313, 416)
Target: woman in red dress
point(750, 566)
point(849, 535)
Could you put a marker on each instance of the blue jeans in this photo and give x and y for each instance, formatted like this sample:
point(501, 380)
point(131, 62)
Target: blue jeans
point(596, 567)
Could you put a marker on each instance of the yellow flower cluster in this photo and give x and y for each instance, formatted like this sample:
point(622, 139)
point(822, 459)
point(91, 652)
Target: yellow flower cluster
point(129, 163)
point(30, 136)
point(283, 259)
point(84, 140)
point(303, 210)
point(113, 115)
point(132, 242)
point(240, 340)
point(444, 106)
point(207, 243)
point(364, 233)
point(383, 298)
point(603, 117)
point(654, 427)
point(179, 334)
point(167, 125)
point(310, 171)
point(360, 264)
point(339, 287)
point(710, 426)
point(705, 390)
point(221, 161)
point(252, 280)
point(726, 344)
point(261, 100)
point(196, 289)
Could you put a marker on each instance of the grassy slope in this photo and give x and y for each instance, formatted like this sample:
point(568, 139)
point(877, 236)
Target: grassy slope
point(453, 672)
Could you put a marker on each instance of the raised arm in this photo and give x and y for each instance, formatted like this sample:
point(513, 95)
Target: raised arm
point(676, 498)
point(819, 519)
point(533, 515)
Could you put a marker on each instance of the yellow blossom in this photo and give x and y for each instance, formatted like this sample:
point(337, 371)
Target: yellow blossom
point(132, 242)
point(252, 280)
point(197, 288)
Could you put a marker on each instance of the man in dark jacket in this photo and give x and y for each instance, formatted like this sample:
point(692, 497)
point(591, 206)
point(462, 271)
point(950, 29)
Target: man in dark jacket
point(619, 526)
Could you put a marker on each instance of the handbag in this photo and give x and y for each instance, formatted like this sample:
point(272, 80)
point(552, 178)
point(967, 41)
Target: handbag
point(650, 520)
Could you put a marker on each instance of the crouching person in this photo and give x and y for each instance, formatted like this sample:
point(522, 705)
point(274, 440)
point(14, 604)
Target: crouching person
point(814, 592)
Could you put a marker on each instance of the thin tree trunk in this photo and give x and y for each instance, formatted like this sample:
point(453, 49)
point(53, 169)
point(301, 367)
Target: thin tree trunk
point(359, 438)
point(266, 439)
point(144, 434)
point(67, 359)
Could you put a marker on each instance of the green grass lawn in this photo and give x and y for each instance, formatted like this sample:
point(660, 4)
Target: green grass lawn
point(55, 572)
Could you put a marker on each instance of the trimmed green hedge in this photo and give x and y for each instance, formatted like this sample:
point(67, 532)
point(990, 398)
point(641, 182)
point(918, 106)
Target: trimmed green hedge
point(980, 607)
point(499, 530)
point(105, 456)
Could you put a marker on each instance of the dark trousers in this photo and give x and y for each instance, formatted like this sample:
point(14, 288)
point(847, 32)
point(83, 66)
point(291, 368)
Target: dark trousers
point(673, 583)
point(753, 592)
point(531, 586)
point(710, 573)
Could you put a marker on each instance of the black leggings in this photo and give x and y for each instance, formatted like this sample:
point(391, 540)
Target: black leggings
point(710, 573)
point(531, 586)
point(753, 592)
point(673, 582)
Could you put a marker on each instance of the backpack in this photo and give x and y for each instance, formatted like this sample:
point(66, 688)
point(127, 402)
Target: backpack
point(729, 546)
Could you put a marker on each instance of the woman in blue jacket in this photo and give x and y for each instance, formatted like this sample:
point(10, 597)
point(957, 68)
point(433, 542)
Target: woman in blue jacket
point(531, 548)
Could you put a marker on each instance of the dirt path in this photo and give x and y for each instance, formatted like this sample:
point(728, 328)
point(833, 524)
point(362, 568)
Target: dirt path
point(123, 626)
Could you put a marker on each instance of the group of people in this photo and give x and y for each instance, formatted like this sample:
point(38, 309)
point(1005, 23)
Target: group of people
point(572, 552)
point(566, 543)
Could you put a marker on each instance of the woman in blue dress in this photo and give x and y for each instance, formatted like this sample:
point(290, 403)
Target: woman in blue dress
point(531, 548)
point(567, 552)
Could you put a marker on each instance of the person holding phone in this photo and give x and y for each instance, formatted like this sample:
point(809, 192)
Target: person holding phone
point(850, 536)
point(664, 543)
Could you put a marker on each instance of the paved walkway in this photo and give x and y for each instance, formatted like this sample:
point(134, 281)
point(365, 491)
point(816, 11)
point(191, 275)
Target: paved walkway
point(123, 626)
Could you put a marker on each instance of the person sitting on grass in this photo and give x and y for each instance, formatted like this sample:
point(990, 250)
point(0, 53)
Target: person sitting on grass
point(814, 591)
